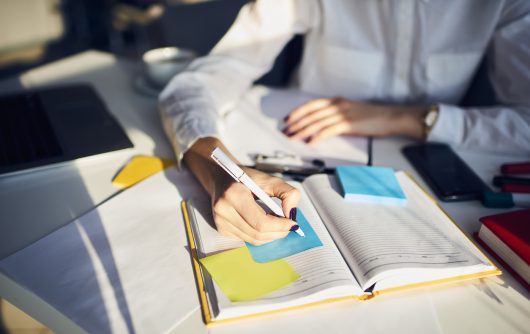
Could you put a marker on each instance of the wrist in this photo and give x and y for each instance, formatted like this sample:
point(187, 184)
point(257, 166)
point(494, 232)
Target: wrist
point(205, 169)
point(409, 121)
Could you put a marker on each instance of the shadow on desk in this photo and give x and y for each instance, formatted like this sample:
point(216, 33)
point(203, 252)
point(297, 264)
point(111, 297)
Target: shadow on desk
point(21, 205)
point(60, 195)
point(83, 262)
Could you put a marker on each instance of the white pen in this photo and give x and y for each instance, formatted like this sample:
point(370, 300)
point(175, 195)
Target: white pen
point(240, 176)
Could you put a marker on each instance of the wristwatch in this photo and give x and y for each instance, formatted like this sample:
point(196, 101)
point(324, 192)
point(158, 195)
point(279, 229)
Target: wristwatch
point(430, 118)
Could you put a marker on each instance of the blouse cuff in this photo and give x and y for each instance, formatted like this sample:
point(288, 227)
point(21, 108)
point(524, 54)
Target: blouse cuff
point(449, 126)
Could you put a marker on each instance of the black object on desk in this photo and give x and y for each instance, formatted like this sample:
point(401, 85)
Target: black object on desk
point(445, 172)
point(502, 180)
point(53, 125)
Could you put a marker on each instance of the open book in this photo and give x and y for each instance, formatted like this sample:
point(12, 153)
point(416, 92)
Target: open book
point(368, 249)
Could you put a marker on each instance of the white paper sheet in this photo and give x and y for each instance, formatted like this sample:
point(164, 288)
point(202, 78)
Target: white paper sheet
point(255, 128)
point(121, 268)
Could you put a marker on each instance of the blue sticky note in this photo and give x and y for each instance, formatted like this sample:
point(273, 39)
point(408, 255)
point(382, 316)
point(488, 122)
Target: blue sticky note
point(370, 184)
point(290, 245)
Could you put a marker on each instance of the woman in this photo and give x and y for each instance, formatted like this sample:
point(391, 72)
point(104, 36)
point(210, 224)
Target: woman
point(399, 67)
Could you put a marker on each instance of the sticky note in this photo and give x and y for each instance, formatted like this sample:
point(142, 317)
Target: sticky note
point(290, 245)
point(368, 184)
point(139, 168)
point(242, 279)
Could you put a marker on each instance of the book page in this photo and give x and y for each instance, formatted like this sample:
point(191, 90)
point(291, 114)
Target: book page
point(208, 240)
point(380, 241)
point(324, 273)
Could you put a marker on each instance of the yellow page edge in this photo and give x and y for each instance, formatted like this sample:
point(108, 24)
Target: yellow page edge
point(203, 299)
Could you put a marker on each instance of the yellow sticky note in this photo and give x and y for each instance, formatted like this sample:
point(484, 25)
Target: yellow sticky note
point(242, 279)
point(140, 168)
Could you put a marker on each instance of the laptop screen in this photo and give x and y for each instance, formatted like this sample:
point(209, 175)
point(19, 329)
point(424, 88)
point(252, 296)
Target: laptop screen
point(52, 125)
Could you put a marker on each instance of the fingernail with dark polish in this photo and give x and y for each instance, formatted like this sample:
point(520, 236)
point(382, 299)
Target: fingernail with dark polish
point(292, 214)
point(307, 140)
point(286, 118)
point(295, 213)
point(294, 228)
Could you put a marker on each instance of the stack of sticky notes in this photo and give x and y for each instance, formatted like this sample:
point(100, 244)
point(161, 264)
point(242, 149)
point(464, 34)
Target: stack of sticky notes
point(370, 184)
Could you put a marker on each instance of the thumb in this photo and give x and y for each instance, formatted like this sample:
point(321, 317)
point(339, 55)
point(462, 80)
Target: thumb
point(289, 195)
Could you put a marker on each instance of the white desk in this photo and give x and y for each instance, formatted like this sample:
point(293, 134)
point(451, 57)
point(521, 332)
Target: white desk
point(33, 205)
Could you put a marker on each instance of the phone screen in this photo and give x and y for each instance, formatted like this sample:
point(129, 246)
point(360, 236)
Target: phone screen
point(445, 172)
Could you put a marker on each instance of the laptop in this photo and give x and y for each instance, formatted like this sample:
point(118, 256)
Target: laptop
point(49, 126)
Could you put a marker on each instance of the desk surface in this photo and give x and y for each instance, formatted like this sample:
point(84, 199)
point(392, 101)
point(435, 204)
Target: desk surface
point(58, 195)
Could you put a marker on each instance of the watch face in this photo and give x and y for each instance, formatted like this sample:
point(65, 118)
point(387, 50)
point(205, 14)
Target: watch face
point(430, 118)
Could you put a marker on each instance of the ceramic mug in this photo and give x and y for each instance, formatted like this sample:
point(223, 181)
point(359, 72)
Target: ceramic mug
point(163, 63)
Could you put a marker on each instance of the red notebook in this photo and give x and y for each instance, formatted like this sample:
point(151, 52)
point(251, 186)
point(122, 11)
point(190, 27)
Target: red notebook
point(507, 235)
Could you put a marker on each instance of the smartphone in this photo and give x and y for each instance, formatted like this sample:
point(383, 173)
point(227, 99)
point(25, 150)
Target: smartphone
point(445, 172)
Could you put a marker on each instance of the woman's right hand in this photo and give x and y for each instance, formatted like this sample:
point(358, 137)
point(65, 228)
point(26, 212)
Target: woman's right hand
point(235, 211)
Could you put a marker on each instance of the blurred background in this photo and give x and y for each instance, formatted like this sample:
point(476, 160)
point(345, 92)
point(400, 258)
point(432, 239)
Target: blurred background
point(35, 32)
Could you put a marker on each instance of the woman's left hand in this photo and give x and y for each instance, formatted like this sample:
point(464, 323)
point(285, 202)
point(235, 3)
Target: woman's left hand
point(322, 118)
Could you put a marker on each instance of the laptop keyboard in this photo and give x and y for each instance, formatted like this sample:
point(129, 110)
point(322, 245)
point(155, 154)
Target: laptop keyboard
point(26, 134)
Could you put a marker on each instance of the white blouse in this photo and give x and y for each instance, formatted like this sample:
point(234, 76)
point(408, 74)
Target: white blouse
point(391, 51)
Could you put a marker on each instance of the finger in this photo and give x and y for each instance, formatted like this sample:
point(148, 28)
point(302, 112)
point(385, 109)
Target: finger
point(307, 108)
point(276, 187)
point(230, 222)
point(238, 201)
point(315, 127)
point(262, 230)
point(329, 131)
point(252, 214)
point(226, 228)
point(225, 231)
point(312, 117)
point(289, 195)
